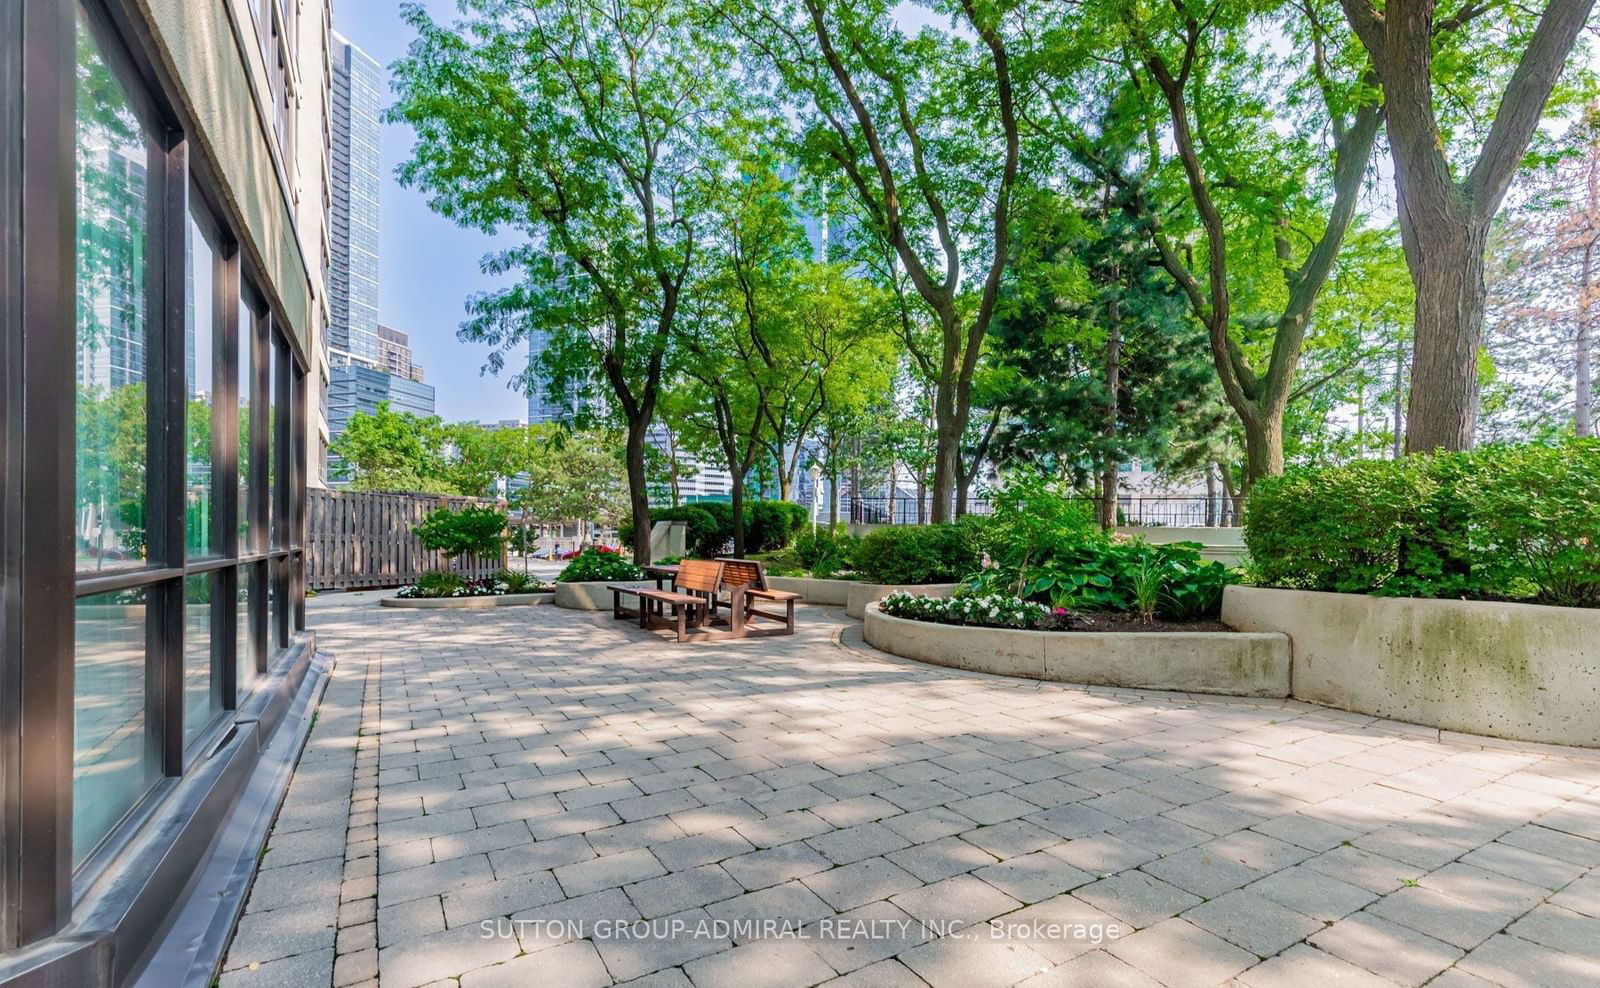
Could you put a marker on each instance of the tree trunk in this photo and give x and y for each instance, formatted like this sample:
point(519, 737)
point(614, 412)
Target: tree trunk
point(1583, 376)
point(855, 483)
point(1263, 449)
point(949, 423)
point(893, 469)
point(638, 492)
point(1445, 255)
point(1399, 397)
point(1233, 504)
point(922, 500)
point(736, 499)
point(833, 499)
point(1107, 508)
point(1211, 498)
point(1108, 473)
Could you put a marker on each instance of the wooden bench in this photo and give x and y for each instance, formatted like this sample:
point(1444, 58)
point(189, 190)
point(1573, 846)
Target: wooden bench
point(745, 581)
point(686, 607)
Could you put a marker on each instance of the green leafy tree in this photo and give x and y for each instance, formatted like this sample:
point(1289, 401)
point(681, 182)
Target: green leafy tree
point(1480, 75)
point(583, 127)
point(1096, 355)
point(925, 130)
point(472, 531)
point(476, 458)
point(392, 451)
point(1269, 201)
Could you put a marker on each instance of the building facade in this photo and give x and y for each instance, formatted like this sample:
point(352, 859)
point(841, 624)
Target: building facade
point(394, 354)
point(358, 388)
point(163, 244)
point(356, 90)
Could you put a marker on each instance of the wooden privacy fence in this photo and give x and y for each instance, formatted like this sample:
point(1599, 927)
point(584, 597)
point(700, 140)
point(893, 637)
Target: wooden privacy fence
point(357, 539)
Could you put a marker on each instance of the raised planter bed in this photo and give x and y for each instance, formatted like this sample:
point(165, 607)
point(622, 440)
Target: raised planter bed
point(468, 603)
point(593, 595)
point(1233, 663)
point(862, 594)
point(1520, 671)
point(831, 592)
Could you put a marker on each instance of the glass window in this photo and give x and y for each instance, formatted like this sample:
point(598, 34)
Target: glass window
point(115, 759)
point(276, 623)
point(113, 190)
point(202, 695)
point(199, 357)
point(248, 327)
point(274, 409)
point(250, 644)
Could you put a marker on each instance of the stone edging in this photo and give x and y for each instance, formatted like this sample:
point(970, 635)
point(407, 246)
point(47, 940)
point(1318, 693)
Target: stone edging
point(1231, 663)
point(468, 603)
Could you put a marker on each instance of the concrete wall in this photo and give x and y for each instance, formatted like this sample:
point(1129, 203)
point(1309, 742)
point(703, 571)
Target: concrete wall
point(1236, 664)
point(862, 594)
point(1517, 671)
point(668, 539)
point(834, 593)
point(1224, 545)
point(593, 596)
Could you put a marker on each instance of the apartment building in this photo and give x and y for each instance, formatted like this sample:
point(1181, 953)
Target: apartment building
point(164, 197)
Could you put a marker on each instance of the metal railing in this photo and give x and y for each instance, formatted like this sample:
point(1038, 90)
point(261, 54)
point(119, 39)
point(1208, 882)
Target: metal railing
point(1132, 509)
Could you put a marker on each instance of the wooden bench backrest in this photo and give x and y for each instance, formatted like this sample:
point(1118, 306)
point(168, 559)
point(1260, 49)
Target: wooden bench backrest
point(700, 575)
point(743, 573)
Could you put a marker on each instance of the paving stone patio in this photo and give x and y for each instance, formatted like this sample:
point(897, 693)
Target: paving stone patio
point(532, 796)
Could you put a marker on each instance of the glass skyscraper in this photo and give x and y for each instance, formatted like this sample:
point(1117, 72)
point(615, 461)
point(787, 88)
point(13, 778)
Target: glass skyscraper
point(358, 83)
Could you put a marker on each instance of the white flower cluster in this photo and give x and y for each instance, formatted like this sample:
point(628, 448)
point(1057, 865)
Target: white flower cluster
point(987, 610)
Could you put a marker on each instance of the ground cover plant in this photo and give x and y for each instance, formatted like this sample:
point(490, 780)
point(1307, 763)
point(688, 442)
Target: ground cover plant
point(596, 564)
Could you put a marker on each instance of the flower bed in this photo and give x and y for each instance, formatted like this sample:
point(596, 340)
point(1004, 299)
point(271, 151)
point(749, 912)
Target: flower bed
point(1235, 663)
point(986, 611)
point(599, 564)
point(442, 586)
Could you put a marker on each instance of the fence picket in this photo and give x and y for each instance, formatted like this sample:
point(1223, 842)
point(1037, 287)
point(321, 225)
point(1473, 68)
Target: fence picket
point(363, 539)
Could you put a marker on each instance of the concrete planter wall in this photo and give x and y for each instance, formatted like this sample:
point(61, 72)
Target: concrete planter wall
point(592, 596)
point(862, 594)
point(468, 603)
point(831, 592)
point(1519, 671)
point(1234, 663)
point(1223, 545)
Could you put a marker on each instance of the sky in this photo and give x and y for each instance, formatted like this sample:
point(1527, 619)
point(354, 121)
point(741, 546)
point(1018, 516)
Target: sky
point(427, 266)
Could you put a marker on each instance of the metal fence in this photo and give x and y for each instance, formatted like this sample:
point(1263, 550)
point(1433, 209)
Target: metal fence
point(1175, 512)
point(360, 539)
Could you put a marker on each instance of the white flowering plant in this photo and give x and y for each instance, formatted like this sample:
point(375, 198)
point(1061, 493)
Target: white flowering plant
point(980, 610)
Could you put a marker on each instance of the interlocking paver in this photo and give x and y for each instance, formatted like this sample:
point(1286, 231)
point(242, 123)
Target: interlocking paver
point(470, 772)
point(1403, 955)
point(1177, 952)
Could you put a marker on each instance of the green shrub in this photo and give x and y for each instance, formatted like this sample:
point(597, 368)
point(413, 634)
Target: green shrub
point(704, 537)
point(472, 531)
point(827, 551)
point(593, 565)
point(917, 554)
point(770, 525)
point(1501, 522)
point(518, 582)
point(439, 583)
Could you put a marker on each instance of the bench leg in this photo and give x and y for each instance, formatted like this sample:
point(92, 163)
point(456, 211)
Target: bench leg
point(680, 612)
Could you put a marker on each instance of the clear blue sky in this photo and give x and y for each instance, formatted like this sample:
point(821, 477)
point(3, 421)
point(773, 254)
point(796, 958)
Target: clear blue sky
point(429, 266)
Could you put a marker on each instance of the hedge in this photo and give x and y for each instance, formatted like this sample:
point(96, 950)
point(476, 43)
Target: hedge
point(918, 554)
point(768, 525)
point(1500, 522)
